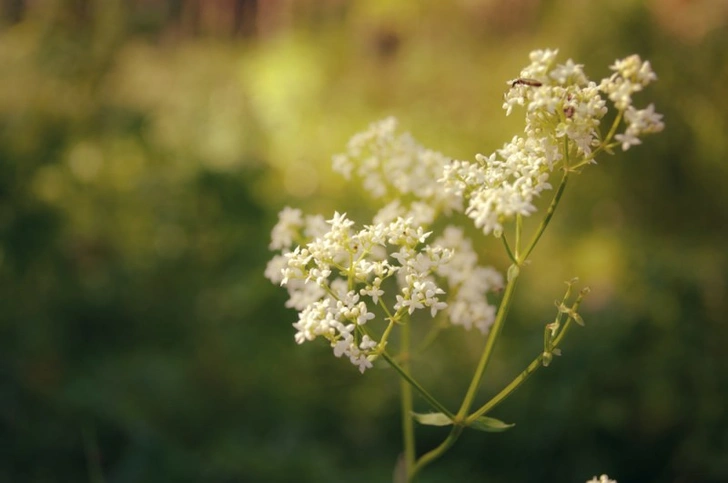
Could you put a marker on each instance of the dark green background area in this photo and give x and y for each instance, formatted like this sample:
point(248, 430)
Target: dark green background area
point(147, 147)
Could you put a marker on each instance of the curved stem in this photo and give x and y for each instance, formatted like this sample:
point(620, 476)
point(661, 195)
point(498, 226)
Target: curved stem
point(508, 248)
point(489, 345)
point(426, 395)
point(385, 336)
point(605, 142)
point(461, 420)
point(506, 391)
point(615, 125)
point(435, 453)
point(519, 229)
point(521, 378)
point(458, 419)
point(547, 218)
point(408, 429)
point(430, 337)
point(562, 333)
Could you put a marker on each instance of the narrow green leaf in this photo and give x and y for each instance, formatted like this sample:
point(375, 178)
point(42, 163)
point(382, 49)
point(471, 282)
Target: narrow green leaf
point(432, 419)
point(490, 425)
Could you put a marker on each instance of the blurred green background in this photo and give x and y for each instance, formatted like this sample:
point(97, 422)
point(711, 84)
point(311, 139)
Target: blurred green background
point(147, 146)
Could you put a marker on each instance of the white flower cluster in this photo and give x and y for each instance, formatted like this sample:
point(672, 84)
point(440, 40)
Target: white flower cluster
point(630, 76)
point(639, 123)
point(394, 166)
point(563, 114)
point(468, 282)
point(335, 278)
point(336, 275)
point(502, 185)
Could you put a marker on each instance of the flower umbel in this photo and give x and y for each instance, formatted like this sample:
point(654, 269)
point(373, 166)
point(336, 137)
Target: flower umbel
point(563, 111)
point(394, 167)
point(336, 280)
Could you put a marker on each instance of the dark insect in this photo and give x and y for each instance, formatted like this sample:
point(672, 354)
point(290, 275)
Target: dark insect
point(526, 82)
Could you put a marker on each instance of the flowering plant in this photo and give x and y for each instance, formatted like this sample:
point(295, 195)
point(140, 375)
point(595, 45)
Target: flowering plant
point(344, 279)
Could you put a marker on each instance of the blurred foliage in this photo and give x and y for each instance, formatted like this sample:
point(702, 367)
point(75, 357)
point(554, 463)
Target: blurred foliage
point(146, 148)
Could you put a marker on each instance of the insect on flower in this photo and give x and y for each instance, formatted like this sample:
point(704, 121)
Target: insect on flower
point(526, 82)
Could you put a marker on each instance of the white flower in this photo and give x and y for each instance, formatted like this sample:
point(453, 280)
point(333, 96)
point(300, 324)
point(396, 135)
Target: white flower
point(343, 165)
point(633, 69)
point(367, 343)
point(332, 278)
point(390, 212)
point(339, 221)
point(315, 320)
point(627, 139)
point(503, 184)
point(639, 123)
point(468, 283)
point(541, 63)
point(274, 268)
point(315, 226)
point(302, 294)
point(630, 76)
point(289, 223)
point(394, 164)
point(645, 121)
point(563, 112)
point(374, 290)
point(342, 347)
point(361, 360)
point(568, 73)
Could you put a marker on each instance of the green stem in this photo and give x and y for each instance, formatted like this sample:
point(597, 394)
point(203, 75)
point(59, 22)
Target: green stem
point(519, 228)
point(408, 428)
point(461, 420)
point(607, 139)
point(385, 336)
point(426, 395)
point(506, 391)
point(568, 323)
point(458, 420)
point(489, 346)
point(521, 378)
point(613, 129)
point(547, 218)
point(557, 340)
point(508, 249)
point(435, 453)
point(431, 337)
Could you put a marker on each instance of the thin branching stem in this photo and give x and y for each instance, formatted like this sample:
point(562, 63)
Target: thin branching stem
point(547, 218)
point(408, 429)
point(417, 386)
